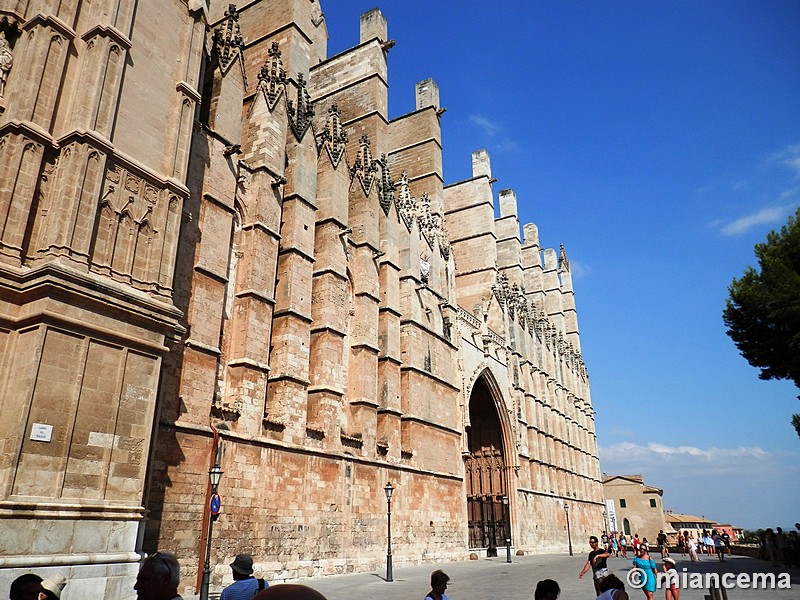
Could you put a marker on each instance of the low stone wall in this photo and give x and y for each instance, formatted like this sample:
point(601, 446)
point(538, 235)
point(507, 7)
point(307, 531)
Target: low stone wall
point(751, 551)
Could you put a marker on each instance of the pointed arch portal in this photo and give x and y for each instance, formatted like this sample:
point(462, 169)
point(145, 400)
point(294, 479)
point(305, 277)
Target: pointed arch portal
point(485, 469)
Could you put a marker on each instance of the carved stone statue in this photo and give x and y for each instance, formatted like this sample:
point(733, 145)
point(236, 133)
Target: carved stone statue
point(6, 60)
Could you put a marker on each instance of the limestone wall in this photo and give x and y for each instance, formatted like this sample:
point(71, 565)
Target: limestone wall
point(250, 260)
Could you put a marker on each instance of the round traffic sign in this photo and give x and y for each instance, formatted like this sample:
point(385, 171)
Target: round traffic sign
point(216, 504)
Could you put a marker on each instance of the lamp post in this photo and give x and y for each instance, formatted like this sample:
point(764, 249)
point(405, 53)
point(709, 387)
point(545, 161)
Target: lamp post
point(507, 527)
point(569, 536)
point(605, 523)
point(389, 490)
point(214, 475)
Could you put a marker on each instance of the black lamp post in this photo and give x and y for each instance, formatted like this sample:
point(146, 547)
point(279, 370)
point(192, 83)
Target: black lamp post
point(389, 490)
point(214, 475)
point(569, 536)
point(507, 527)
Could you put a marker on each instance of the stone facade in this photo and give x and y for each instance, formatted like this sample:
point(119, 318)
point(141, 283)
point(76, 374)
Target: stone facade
point(215, 244)
point(638, 507)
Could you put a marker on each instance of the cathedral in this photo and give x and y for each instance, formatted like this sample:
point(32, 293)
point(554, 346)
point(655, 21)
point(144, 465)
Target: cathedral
point(218, 251)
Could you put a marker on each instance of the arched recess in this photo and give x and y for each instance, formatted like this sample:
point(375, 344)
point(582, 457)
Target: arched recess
point(626, 526)
point(488, 466)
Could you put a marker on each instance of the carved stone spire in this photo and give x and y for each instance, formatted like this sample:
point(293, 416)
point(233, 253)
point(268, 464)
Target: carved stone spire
point(562, 259)
point(364, 168)
point(444, 243)
point(425, 218)
point(386, 187)
point(406, 204)
point(228, 40)
point(501, 289)
point(300, 117)
point(333, 138)
point(272, 77)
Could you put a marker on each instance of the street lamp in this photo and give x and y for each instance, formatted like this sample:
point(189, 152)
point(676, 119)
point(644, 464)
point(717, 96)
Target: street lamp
point(569, 536)
point(605, 523)
point(507, 527)
point(214, 476)
point(389, 490)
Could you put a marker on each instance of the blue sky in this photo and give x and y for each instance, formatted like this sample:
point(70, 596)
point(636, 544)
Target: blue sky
point(658, 142)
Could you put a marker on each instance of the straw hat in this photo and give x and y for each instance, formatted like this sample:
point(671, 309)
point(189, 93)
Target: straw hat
point(54, 584)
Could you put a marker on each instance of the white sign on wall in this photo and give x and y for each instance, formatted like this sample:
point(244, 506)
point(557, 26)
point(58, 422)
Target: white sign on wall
point(40, 432)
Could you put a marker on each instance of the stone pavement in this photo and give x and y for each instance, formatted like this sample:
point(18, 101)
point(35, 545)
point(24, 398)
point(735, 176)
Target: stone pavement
point(494, 579)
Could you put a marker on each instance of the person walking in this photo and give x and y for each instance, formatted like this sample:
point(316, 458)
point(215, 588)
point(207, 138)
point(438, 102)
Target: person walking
point(647, 566)
point(719, 548)
point(661, 540)
point(244, 585)
point(158, 578)
point(26, 587)
point(547, 589)
point(289, 591)
point(623, 545)
point(612, 588)
point(596, 562)
point(439, 580)
point(673, 592)
point(692, 545)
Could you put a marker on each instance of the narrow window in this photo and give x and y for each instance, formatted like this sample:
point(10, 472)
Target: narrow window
point(622, 503)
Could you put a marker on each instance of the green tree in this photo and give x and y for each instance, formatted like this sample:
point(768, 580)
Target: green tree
point(763, 311)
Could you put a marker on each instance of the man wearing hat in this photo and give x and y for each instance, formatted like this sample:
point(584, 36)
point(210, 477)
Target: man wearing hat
point(244, 585)
point(52, 587)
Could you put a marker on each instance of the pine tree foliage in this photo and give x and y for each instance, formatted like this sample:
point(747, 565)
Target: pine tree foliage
point(763, 311)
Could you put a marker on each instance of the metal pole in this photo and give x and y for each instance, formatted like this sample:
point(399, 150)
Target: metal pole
point(507, 527)
point(207, 563)
point(389, 540)
point(569, 535)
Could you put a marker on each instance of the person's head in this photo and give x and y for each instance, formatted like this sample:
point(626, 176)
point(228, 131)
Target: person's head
point(641, 550)
point(610, 582)
point(593, 541)
point(439, 581)
point(158, 578)
point(546, 589)
point(288, 591)
point(52, 587)
point(242, 567)
point(26, 587)
point(669, 563)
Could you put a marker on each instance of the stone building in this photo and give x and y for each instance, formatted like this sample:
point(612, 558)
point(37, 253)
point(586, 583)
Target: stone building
point(215, 244)
point(634, 506)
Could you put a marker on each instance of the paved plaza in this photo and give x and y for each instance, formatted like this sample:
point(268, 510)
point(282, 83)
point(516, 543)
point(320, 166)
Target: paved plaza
point(495, 579)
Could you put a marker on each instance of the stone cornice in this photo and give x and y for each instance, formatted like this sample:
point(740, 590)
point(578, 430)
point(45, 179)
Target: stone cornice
point(51, 21)
point(108, 31)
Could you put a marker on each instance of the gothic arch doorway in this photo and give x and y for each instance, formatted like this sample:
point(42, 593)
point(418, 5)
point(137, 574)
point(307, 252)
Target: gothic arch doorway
point(485, 469)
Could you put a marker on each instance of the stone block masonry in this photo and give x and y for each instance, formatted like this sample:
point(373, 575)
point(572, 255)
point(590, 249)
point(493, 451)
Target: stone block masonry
point(216, 244)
